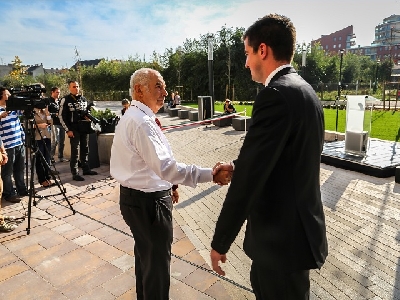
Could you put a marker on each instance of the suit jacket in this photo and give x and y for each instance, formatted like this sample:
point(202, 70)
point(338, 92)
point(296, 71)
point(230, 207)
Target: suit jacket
point(276, 182)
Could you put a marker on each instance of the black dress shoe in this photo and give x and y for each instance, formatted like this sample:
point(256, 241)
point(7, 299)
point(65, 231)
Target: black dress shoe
point(13, 199)
point(90, 172)
point(78, 177)
point(23, 193)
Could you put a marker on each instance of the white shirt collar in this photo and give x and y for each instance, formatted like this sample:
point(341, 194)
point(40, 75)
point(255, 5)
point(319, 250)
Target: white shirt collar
point(144, 108)
point(274, 72)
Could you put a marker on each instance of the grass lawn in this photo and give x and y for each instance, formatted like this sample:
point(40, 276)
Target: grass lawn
point(220, 108)
point(385, 124)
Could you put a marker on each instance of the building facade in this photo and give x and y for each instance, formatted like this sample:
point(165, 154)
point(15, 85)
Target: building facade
point(334, 42)
point(386, 44)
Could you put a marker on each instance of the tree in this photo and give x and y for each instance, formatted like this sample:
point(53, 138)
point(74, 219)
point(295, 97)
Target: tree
point(17, 76)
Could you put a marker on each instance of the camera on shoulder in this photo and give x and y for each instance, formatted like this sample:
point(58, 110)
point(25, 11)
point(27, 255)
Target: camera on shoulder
point(26, 98)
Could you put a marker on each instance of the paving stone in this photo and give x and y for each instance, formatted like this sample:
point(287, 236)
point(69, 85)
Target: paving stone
point(103, 250)
point(120, 284)
point(28, 285)
point(124, 262)
point(80, 285)
point(182, 291)
point(74, 264)
point(85, 240)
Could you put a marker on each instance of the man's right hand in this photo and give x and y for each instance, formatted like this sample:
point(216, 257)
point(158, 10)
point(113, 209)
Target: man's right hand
point(222, 173)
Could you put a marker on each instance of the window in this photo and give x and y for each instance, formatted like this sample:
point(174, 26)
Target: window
point(340, 38)
point(334, 46)
point(340, 46)
point(334, 39)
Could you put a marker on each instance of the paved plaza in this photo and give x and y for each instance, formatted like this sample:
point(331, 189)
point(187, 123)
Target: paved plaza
point(89, 254)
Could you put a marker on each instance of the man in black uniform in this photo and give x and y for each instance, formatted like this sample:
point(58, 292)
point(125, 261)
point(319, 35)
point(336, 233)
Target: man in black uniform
point(73, 117)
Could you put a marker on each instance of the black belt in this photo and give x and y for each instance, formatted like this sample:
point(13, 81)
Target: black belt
point(137, 193)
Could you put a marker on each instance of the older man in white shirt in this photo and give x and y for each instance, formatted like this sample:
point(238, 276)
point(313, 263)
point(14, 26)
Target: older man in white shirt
point(143, 163)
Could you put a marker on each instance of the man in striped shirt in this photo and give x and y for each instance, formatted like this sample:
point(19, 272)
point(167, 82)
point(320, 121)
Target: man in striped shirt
point(13, 137)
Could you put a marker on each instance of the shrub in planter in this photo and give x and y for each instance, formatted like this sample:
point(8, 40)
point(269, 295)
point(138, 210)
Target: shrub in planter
point(108, 119)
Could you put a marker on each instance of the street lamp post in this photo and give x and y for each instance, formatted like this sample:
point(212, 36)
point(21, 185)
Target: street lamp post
point(376, 75)
point(303, 60)
point(210, 67)
point(339, 91)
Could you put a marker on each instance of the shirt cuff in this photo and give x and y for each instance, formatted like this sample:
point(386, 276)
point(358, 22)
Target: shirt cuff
point(205, 175)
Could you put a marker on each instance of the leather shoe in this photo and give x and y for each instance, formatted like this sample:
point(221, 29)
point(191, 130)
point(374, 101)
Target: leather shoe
point(23, 193)
point(78, 177)
point(90, 172)
point(45, 184)
point(13, 199)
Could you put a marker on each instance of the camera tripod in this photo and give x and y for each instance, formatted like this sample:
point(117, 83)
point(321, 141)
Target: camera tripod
point(35, 153)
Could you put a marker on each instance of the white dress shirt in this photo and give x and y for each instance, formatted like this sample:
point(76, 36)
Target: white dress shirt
point(142, 159)
point(270, 76)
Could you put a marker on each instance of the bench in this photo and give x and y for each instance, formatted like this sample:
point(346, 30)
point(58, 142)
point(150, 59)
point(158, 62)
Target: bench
point(193, 115)
point(240, 123)
point(183, 114)
point(173, 112)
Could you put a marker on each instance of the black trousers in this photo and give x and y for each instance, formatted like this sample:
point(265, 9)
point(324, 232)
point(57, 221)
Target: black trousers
point(149, 216)
point(79, 150)
point(42, 171)
point(279, 285)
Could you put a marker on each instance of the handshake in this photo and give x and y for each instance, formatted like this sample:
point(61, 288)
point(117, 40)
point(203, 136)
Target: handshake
point(222, 173)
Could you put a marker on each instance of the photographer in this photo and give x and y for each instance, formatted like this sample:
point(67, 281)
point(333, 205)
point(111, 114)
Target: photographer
point(43, 123)
point(13, 137)
point(228, 107)
point(74, 118)
point(58, 132)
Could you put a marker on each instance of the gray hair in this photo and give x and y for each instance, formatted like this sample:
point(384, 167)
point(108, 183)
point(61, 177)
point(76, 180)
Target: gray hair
point(141, 76)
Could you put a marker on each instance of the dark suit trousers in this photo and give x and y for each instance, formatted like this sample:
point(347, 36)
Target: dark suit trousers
point(277, 285)
point(149, 216)
point(79, 150)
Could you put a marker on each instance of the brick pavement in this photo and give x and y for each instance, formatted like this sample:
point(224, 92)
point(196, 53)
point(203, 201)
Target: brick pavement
point(89, 255)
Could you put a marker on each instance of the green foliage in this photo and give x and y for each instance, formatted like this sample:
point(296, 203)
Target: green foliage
point(103, 114)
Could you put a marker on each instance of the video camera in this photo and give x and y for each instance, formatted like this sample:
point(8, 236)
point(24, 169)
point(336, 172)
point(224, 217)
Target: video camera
point(86, 113)
point(26, 98)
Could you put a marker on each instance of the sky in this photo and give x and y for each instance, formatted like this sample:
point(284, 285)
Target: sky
point(49, 31)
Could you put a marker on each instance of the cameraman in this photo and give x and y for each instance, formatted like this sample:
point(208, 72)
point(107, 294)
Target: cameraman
point(58, 132)
point(73, 117)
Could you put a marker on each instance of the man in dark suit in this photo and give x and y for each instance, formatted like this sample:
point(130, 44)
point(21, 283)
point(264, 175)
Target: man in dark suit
point(285, 232)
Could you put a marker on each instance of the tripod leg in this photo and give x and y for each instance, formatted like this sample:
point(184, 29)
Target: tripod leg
point(31, 192)
point(53, 176)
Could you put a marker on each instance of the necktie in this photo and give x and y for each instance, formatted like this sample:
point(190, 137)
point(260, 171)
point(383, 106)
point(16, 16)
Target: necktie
point(158, 123)
point(175, 186)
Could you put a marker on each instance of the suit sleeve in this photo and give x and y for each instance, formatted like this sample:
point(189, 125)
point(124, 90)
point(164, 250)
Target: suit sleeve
point(261, 149)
